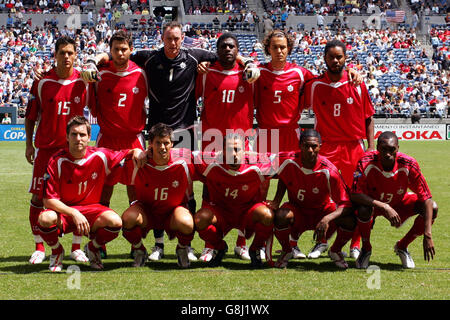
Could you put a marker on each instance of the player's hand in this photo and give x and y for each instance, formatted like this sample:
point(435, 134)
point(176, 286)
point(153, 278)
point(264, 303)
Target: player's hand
point(251, 72)
point(203, 67)
point(29, 154)
point(428, 248)
point(321, 230)
point(139, 158)
point(354, 77)
point(272, 204)
point(89, 72)
point(81, 223)
point(392, 216)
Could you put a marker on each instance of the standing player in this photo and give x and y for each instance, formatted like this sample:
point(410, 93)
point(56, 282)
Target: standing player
point(277, 100)
point(234, 201)
point(227, 104)
point(318, 200)
point(382, 178)
point(72, 191)
point(343, 117)
point(55, 99)
point(162, 187)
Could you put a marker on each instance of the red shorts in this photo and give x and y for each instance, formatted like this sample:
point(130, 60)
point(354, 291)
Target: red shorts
point(91, 212)
point(405, 209)
point(344, 155)
point(41, 158)
point(307, 218)
point(121, 143)
point(287, 140)
point(158, 221)
point(226, 221)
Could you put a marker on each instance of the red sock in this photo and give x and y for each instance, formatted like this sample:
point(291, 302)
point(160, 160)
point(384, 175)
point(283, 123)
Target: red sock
point(35, 211)
point(262, 233)
point(293, 241)
point(50, 236)
point(416, 230)
point(212, 236)
point(103, 236)
point(240, 241)
point(134, 236)
point(365, 228)
point(184, 239)
point(356, 239)
point(343, 236)
point(282, 236)
point(76, 241)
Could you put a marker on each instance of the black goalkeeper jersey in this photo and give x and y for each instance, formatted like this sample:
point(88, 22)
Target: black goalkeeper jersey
point(171, 84)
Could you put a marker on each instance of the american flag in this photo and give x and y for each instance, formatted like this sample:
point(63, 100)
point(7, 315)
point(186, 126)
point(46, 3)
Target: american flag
point(395, 16)
point(89, 116)
point(192, 42)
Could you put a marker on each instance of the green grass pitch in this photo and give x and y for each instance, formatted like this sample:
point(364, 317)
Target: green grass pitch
point(303, 279)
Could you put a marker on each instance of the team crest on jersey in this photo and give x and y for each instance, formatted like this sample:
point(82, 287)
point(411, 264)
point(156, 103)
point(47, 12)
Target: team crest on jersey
point(135, 90)
point(182, 65)
point(77, 99)
point(94, 176)
point(400, 191)
point(357, 174)
point(241, 89)
point(175, 184)
point(244, 187)
point(315, 190)
point(290, 88)
point(350, 100)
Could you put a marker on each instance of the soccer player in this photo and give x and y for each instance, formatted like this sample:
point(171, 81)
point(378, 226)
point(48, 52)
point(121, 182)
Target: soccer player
point(227, 104)
point(277, 100)
point(54, 100)
point(162, 188)
point(380, 188)
point(234, 200)
point(318, 200)
point(72, 190)
point(343, 117)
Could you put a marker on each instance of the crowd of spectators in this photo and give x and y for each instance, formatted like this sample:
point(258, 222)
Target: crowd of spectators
point(429, 7)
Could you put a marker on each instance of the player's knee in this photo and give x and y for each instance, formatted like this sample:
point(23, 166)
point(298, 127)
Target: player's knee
point(364, 213)
point(202, 219)
point(283, 218)
point(47, 219)
point(185, 223)
point(111, 220)
point(347, 222)
point(264, 215)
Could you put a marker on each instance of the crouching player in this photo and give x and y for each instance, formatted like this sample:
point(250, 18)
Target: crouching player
point(234, 201)
point(72, 189)
point(318, 200)
point(162, 189)
point(380, 186)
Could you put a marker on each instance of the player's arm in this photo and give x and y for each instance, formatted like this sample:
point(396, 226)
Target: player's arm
point(324, 223)
point(29, 147)
point(388, 212)
point(279, 194)
point(354, 77)
point(370, 131)
point(428, 244)
point(78, 218)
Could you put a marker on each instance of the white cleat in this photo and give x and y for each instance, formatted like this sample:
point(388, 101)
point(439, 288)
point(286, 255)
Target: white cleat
point(317, 250)
point(79, 256)
point(354, 253)
point(191, 254)
point(207, 254)
point(242, 252)
point(363, 260)
point(262, 253)
point(37, 257)
point(95, 258)
point(338, 259)
point(182, 257)
point(283, 259)
point(140, 256)
point(157, 254)
point(297, 253)
point(56, 260)
point(405, 257)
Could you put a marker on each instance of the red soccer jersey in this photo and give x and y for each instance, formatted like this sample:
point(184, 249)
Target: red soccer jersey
point(312, 189)
point(389, 187)
point(340, 108)
point(80, 181)
point(53, 103)
point(227, 99)
point(162, 188)
point(119, 108)
point(236, 191)
point(278, 95)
